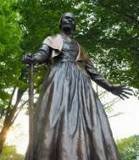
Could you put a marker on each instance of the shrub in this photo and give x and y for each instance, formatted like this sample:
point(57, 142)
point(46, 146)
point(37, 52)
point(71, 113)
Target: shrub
point(9, 153)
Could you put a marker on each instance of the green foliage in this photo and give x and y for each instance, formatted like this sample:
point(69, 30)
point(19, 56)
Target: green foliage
point(120, 39)
point(9, 153)
point(10, 51)
point(128, 147)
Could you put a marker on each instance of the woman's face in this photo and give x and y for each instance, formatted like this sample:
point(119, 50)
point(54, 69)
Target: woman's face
point(68, 22)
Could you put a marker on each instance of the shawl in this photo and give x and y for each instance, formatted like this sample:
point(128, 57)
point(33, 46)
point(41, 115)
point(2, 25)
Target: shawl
point(56, 43)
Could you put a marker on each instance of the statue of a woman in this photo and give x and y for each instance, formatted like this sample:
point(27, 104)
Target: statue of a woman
point(70, 121)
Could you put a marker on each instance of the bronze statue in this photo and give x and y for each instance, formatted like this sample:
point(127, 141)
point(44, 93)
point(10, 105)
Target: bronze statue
point(70, 121)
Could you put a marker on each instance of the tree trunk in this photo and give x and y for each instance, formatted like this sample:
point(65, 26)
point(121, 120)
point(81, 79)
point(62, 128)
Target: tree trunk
point(6, 127)
point(9, 118)
point(11, 111)
point(3, 136)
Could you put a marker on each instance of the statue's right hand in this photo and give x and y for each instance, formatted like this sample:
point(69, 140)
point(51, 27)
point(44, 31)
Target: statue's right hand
point(28, 59)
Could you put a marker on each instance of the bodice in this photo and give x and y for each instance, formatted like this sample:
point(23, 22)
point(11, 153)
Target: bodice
point(69, 51)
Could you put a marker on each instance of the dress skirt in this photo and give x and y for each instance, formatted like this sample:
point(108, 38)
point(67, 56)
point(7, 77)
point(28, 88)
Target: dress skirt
point(70, 121)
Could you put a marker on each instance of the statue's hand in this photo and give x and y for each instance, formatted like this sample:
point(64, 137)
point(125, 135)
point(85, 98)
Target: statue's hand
point(28, 59)
point(121, 91)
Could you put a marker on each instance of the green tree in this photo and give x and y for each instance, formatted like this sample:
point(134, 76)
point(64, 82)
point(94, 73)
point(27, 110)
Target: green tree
point(9, 153)
point(128, 147)
point(10, 66)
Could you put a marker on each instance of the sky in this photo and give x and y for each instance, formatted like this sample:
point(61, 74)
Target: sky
point(123, 125)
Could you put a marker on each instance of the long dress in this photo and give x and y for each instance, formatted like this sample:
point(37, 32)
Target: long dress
point(70, 121)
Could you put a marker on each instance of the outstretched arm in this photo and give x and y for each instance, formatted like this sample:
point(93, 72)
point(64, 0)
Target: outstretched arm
point(41, 56)
point(120, 91)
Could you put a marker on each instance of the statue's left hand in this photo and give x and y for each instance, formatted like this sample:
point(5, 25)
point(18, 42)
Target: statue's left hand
point(122, 91)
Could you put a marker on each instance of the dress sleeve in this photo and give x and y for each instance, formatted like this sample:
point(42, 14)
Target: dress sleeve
point(97, 77)
point(43, 54)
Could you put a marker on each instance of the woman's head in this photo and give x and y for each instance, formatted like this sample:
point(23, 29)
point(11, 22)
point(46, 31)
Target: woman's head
point(67, 22)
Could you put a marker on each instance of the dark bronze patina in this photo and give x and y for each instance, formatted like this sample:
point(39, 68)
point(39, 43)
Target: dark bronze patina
point(70, 121)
